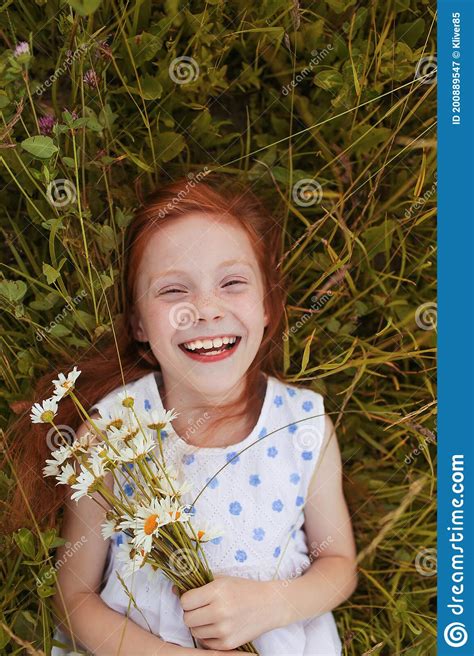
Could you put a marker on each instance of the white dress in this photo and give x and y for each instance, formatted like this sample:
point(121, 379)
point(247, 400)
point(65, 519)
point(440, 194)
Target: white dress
point(257, 500)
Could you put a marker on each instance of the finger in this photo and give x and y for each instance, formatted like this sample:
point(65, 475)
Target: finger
point(197, 597)
point(199, 617)
point(203, 632)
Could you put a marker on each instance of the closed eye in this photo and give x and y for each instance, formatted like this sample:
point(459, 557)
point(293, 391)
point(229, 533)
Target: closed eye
point(231, 282)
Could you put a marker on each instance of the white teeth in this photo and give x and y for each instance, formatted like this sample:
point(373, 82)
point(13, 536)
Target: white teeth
point(209, 343)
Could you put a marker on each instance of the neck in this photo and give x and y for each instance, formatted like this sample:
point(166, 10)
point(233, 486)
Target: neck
point(198, 414)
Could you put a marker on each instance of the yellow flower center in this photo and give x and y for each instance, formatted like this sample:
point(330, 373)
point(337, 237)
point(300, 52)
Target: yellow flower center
point(156, 427)
point(128, 402)
point(150, 524)
point(47, 415)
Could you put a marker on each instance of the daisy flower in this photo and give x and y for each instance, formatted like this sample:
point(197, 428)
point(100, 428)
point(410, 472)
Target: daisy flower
point(110, 527)
point(205, 532)
point(156, 420)
point(176, 511)
point(167, 486)
point(44, 413)
point(132, 559)
point(140, 446)
point(127, 400)
point(119, 419)
point(52, 465)
point(67, 476)
point(64, 384)
point(87, 481)
point(145, 524)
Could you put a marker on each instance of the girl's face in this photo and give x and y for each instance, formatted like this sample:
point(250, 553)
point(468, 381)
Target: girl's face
point(199, 278)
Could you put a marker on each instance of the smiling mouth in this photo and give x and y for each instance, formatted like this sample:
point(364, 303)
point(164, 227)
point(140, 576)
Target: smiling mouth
point(211, 351)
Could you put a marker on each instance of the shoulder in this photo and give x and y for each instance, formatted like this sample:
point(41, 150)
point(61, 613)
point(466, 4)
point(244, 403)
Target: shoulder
point(135, 387)
point(299, 400)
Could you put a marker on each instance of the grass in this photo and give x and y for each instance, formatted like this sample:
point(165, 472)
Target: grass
point(361, 123)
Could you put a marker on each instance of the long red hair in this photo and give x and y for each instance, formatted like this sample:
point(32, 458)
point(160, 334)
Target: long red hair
point(35, 499)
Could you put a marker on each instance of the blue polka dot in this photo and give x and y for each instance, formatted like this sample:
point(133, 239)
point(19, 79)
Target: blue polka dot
point(293, 534)
point(235, 508)
point(272, 451)
point(190, 510)
point(278, 401)
point(214, 482)
point(119, 539)
point(307, 455)
point(147, 404)
point(230, 457)
point(217, 540)
point(291, 391)
point(128, 489)
point(148, 458)
point(240, 555)
point(307, 406)
point(262, 433)
point(164, 433)
point(276, 553)
point(299, 501)
point(127, 465)
point(188, 458)
point(277, 505)
point(292, 428)
point(258, 534)
point(294, 478)
point(254, 479)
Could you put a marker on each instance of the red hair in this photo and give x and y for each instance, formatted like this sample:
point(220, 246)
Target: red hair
point(35, 499)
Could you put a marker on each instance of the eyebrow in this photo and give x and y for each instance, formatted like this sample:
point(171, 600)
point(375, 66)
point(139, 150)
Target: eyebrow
point(226, 263)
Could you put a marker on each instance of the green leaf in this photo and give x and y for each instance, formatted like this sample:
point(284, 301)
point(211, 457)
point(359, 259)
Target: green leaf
point(84, 7)
point(13, 290)
point(328, 79)
point(378, 239)
point(25, 541)
point(106, 238)
point(39, 147)
point(50, 273)
point(143, 47)
point(170, 144)
point(59, 330)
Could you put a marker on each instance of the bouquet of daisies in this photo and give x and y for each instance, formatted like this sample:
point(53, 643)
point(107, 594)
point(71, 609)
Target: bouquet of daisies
point(160, 528)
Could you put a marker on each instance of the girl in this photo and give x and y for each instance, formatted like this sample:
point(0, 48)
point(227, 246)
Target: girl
point(201, 333)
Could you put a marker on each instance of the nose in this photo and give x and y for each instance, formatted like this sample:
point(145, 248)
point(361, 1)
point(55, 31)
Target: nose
point(209, 307)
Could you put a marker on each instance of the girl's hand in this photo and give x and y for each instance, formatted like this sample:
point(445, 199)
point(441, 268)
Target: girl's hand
point(228, 612)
